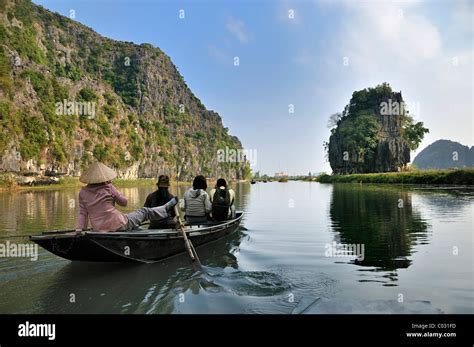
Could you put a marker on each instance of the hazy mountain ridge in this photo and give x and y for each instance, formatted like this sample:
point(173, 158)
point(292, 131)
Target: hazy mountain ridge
point(445, 154)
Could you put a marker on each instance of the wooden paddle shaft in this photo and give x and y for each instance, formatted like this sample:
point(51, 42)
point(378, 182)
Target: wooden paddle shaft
point(185, 237)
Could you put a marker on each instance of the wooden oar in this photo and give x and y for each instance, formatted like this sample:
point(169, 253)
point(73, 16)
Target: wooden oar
point(187, 243)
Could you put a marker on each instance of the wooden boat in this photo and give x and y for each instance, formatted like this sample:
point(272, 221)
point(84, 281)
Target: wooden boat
point(144, 246)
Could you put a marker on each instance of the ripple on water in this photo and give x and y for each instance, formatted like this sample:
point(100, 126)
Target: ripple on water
point(249, 283)
point(302, 284)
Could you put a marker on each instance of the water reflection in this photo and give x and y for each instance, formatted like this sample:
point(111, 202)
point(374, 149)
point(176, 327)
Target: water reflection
point(135, 288)
point(281, 254)
point(24, 213)
point(383, 220)
point(448, 204)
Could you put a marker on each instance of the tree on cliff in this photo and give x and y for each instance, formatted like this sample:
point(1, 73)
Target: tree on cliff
point(374, 133)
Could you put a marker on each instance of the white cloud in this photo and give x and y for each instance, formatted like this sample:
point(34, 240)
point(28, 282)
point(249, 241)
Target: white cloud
point(463, 14)
point(400, 43)
point(377, 33)
point(237, 28)
point(219, 55)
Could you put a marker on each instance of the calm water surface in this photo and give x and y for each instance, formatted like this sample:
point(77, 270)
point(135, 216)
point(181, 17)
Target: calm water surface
point(418, 255)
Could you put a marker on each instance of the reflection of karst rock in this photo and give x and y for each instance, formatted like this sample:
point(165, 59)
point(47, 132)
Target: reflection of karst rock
point(383, 220)
point(359, 153)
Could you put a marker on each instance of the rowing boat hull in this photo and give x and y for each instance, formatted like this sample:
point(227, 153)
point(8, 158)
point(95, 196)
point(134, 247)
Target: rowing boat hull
point(142, 246)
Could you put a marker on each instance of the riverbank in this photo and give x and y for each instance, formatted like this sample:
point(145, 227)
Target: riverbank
point(10, 182)
point(449, 177)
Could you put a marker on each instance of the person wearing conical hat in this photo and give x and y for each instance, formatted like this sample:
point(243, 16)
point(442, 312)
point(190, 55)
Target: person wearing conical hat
point(97, 203)
point(158, 198)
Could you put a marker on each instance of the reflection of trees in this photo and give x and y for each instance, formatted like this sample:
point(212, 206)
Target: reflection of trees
point(447, 203)
point(30, 212)
point(242, 195)
point(371, 216)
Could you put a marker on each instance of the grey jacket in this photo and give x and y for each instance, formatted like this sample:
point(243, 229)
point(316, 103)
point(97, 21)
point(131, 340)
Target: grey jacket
point(196, 203)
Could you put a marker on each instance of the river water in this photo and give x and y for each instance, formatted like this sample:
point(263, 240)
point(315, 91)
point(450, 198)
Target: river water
point(417, 255)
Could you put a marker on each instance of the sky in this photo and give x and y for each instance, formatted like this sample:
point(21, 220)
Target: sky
point(300, 61)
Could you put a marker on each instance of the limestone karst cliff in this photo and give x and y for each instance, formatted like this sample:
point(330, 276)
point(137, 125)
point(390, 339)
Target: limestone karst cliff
point(69, 95)
point(374, 133)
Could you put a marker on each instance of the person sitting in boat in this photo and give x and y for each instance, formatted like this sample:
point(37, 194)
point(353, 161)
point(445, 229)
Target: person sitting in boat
point(196, 203)
point(222, 199)
point(97, 203)
point(158, 198)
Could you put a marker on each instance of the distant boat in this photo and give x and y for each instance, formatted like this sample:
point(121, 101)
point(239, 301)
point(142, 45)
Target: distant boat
point(253, 182)
point(145, 246)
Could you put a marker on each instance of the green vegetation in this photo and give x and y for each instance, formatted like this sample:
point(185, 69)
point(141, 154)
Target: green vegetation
point(455, 176)
point(10, 181)
point(123, 75)
point(144, 110)
point(7, 180)
point(360, 135)
point(101, 152)
point(5, 78)
point(35, 138)
point(41, 84)
point(413, 133)
point(110, 111)
point(86, 94)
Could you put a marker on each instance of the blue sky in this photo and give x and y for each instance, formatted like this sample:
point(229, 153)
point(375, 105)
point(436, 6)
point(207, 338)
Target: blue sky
point(313, 61)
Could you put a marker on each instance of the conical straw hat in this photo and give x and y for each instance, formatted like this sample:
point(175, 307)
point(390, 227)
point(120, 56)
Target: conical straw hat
point(98, 173)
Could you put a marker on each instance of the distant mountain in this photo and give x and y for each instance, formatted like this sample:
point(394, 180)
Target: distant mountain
point(68, 94)
point(444, 154)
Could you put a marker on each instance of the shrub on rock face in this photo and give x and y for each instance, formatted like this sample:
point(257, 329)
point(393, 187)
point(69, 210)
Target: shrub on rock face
point(374, 133)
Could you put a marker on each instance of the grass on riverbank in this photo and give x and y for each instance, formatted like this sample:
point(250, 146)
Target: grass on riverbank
point(454, 176)
point(10, 182)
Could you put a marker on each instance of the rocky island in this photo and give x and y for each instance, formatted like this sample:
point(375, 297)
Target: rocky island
point(374, 133)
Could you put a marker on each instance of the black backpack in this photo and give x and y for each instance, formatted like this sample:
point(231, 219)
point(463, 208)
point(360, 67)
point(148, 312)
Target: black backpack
point(221, 204)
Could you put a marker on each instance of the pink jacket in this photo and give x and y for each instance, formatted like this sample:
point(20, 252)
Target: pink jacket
point(97, 203)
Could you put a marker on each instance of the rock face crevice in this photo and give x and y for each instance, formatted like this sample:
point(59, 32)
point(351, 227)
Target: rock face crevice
point(147, 121)
point(366, 139)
